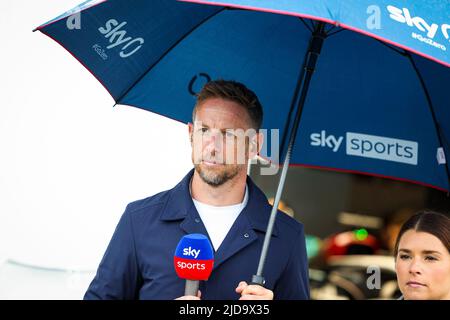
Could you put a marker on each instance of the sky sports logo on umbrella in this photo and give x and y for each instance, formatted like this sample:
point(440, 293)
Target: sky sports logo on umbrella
point(117, 36)
point(115, 33)
point(403, 15)
point(370, 146)
point(425, 30)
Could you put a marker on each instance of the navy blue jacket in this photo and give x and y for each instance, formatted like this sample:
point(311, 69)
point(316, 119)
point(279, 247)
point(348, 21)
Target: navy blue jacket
point(138, 263)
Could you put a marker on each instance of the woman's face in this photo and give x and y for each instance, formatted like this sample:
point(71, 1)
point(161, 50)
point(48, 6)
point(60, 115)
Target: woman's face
point(423, 267)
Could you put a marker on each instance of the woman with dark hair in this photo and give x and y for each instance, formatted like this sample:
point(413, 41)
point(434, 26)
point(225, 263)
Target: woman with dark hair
point(422, 257)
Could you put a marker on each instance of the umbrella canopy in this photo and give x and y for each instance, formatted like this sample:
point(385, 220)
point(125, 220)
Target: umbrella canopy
point(421, 27)
point(371, 108)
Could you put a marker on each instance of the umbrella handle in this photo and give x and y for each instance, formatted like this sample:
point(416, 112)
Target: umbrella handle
point(258, 280)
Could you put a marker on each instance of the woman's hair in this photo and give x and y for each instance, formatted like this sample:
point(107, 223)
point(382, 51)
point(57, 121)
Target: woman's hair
point(431, 222)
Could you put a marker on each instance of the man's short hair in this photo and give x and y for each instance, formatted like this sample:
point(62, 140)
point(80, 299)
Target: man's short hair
point(236, 92)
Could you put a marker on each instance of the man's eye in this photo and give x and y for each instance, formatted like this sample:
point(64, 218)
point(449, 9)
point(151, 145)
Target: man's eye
point(404, 256)
point(203, 130)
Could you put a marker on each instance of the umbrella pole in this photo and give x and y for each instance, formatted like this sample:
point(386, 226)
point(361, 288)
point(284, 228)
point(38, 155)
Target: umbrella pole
point(314, 49)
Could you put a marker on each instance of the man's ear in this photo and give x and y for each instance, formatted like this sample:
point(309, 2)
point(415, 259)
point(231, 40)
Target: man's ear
point(259, 142)
point(256, 144)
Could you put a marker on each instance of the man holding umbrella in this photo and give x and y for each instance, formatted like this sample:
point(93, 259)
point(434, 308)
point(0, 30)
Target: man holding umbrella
point(217, 199)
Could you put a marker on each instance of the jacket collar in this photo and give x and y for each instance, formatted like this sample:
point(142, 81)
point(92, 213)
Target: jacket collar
point(179, 206)
point(254, 216)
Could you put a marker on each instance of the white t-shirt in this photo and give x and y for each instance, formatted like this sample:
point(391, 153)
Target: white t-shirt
point(218, 220)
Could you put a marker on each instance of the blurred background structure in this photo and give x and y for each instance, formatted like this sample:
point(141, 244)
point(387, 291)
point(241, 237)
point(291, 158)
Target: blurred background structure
point(351, 222)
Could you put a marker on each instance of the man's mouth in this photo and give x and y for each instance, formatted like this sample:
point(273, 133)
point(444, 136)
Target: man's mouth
point(415, 284)
point(211, 163)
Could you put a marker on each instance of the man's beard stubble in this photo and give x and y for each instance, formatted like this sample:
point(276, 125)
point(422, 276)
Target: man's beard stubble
point(217, 178)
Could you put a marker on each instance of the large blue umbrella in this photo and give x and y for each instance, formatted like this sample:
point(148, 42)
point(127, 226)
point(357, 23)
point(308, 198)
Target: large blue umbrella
point(357, 86)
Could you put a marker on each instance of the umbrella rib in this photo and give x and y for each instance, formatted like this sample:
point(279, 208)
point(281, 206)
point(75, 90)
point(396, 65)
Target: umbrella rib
point(314, 24)
point(433, 114)
point(167, 52)
point(403, 53)
point(335, 32)
point(307, 26)
point(332, 27)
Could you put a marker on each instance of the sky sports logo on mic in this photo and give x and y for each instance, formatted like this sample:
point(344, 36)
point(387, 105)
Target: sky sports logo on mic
point(194, 257)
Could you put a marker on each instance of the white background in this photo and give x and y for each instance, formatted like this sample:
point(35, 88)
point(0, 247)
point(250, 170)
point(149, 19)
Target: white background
point(69, 161)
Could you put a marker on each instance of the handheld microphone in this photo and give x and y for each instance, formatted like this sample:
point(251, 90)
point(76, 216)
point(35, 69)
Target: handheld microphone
point(193, 261)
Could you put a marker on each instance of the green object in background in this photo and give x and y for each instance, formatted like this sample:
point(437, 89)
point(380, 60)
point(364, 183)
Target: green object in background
point(312, 246)
point(361, 234)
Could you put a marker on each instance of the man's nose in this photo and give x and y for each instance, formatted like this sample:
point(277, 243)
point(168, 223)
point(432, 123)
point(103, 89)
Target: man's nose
point(214, 140)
